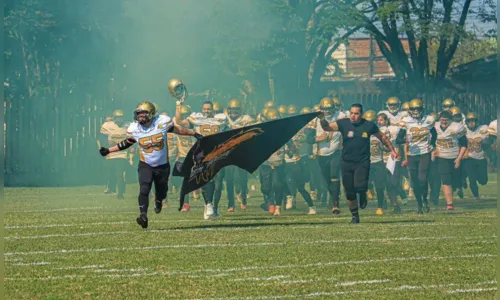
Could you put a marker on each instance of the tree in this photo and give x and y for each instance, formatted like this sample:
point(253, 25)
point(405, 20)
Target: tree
point(422, 22)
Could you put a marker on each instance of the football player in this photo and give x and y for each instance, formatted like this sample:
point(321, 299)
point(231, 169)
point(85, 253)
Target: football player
point(475, 164)
point(205, 123)
point(235, 177)
point(418, 132)
point(296, 171)
point(184, 144)
point(450, 149)
point(393, 112)
point(218, 109)
point(329, 154)
point(150, 132)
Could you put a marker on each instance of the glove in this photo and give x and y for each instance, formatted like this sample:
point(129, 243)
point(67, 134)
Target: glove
point(104, 151)
point(198, 136)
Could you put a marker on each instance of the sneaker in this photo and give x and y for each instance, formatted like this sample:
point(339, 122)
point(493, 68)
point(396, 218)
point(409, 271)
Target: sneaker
point(277, 211)
point(271, 209)
point(363, 202)
point(427, 208)
point(243, 206)
point(289, 202)
point(449, 207)
point(264, 207)
point(355, 220)
point(370, 194)
point(379, 212)
point(165, 205)
point(230, 210)
point(336, 211)
point(312, 211)
point(216, 213)
point(158, 206)
point(209, 211)
point(142, 220)
point(186, 207)
point(420, 211)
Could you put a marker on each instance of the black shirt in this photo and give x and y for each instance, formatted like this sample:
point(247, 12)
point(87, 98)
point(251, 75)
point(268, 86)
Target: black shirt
point(356, 139)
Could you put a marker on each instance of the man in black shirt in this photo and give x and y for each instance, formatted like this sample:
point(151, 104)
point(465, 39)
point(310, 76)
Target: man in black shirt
point(356, 133)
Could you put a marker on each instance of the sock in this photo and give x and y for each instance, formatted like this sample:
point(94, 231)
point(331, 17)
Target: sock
point(143, 204)
point(354, 212)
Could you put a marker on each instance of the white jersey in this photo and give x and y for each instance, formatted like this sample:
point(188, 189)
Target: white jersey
point(300, 143)
point(394, 119)
point(418, 134)
point(391, 132)
point(492, 128)
point(208, 126)
point(276, 159)
point(241, 121)
point(312, 125)
point(447, 140)
point(333, 139)
point(152, 140)
point(376, 149)
point(475, 142)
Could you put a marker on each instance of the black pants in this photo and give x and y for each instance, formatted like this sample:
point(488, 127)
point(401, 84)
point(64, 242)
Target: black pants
point(355, 178)
point(116, 176)
point(330, 169)
point(147, 176)
point(434, 182)
point(418, 167)
point(236, 179)
point(477, 172)
point(378, 175)
point(272, 184)
point(449, 175)
point(296, 177)
point(316, 183)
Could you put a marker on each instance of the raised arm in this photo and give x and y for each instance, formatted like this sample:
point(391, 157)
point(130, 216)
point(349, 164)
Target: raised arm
point(387, 142)
point(328, 126)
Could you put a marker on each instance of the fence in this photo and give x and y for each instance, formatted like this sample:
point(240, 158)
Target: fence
point(55, 145)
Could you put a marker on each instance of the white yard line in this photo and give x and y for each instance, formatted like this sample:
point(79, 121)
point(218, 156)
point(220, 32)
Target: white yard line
point(472, 290)
point(262, 268)
point(42, 263)
point(374, 281)
point(370, 291)
point(223, 245)
point(262, 278)
point(82, 267)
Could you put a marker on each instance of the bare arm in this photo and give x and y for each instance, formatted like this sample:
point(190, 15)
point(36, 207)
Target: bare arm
point(385, 140)
point(329, 126)
point(125, 144)
point(180, 130)
point(178, 117)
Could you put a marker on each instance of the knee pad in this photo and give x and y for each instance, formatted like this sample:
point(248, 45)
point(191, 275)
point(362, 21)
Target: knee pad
point(145, 189)
point(351, 196)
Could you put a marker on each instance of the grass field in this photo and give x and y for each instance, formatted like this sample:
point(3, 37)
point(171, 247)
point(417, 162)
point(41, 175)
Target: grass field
point(74, 243)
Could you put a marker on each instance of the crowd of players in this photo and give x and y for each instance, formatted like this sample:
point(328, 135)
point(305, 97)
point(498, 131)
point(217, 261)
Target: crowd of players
point(445, 151)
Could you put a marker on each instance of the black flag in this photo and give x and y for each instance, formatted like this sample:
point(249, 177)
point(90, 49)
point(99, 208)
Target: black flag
point(246, 147)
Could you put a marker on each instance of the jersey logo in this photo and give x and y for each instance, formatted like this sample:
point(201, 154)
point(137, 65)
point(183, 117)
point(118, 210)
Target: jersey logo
point(365, 135)
point(350, 134)
point(231, 144)
point(160, 126)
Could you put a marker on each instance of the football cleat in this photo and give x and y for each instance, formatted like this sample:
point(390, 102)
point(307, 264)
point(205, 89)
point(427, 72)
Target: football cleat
point(230, 210)
point(209, 211)
point(336, 211)
point(271, 209)
point(312, 211)
point(142, 220)
point(158, 206)
point(379, 212)
point(186, 207)
point(355, 220)
point(289, 202)
point(277, 211)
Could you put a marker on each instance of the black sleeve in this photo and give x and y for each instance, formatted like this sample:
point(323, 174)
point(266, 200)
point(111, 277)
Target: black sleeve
point(374, 129)
point(401, 138)
point(340, 125)
point(462, 142)
point(434, 136)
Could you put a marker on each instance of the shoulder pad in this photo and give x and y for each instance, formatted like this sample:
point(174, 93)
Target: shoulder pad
point(401, 124)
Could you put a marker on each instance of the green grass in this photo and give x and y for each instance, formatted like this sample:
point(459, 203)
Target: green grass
point(73, 243)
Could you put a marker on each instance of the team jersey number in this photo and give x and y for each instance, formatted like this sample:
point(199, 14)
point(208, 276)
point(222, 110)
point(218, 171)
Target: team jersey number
point(209, 129)
point(445, 143)
point(375, 148)
point(152, 143)
point(419, 134)
point(475, 145)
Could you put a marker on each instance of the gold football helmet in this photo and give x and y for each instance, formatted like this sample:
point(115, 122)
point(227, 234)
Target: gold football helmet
point(316, 108)
point(118, 113)
point(471, 116)
point(448, 103)
point(326, 104)
point(185, 111)
point(145, 112)
point(393, 104)
point(177, 89)
point(217, 107)
point(337, 104)
point(283, 110)
point(370, 115)
point(269, 104)
point(272, 114)
point(405, 106)
point(234, 108)
point(456, 112)
point(416, 108)
point(292, 110)
point(471, 120)
point(305, 110)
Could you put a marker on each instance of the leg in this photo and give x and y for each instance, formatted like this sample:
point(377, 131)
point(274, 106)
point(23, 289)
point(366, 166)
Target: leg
point(434, 182)
point(229, 175)
point(350, 191)
point(145, 182)
point(278, 176)
point(112, 176)
point(413, 168)
point(160, 178)
point(334, 182)
point(218, 187)
point(361, 174)
point(380, 184)
point(446, 167)
point(266, 185)
point(242, 183)
point(291, 184)
point(121, 179)
point(423, 175)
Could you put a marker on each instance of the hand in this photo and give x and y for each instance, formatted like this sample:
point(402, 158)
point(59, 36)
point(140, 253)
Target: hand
point(433, 155)
point(182, 99)
point(457, 163)
point(197, 136)
point(104, 151)
point(404, 163)
point(395, 155)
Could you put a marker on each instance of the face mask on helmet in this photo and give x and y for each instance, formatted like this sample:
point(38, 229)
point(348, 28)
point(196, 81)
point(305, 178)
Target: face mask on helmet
point(234, 112)
point(416, 112)
point(141, 116)
point(393, 108)
point(472, 123)
point(457, 118)
point(447, 106)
